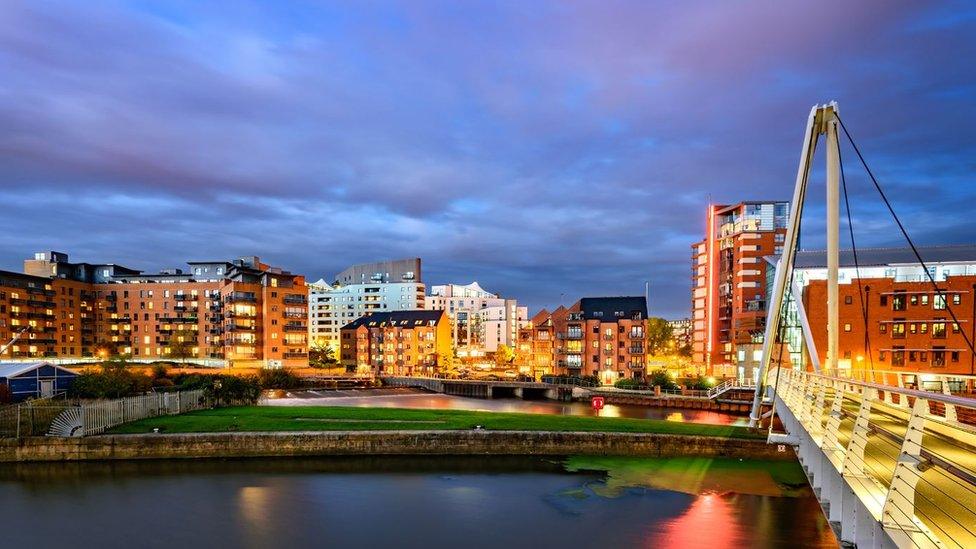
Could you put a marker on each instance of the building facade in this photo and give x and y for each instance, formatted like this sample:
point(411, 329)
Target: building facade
point(394, 285)
point(909, 325)
point(728, 299)
point(596, 336)
point(414, 343)
point(480, 320)
point(239, 313)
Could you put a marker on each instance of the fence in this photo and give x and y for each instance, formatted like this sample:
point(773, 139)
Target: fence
point(97, 417)
point(66, 418)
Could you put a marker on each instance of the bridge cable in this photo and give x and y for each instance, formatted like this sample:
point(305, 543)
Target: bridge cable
point(857, 266)
point(941, 294)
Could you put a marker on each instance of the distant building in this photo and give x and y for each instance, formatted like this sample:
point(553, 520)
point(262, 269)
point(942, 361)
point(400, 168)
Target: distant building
point(397, 343)
point(480, 320)
point(598, 336)
point(241, 312)
point(359, 290)
point(681, 332)
point(909, 327)
point(35, 379)
point(728, 298)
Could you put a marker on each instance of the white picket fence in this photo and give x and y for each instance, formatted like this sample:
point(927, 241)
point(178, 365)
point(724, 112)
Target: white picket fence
point(97, 417)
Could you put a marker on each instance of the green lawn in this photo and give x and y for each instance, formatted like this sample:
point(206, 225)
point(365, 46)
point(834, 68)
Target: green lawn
point(334, 418)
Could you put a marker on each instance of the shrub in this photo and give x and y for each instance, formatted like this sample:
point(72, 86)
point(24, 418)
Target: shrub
point(662, 379)
point(699, 383)
point(113, 382)
point(223, 389)
point(160, 371)
point(278, 379)
point(627, 383)
point(162, 382)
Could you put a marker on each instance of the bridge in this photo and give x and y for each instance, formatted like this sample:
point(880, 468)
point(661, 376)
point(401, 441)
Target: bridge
point(891, 455)
point(892, 466)
point(482, 388)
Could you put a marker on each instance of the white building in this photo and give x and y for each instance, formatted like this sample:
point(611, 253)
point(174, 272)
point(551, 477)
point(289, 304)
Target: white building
point(480, 320)
point(369, 287)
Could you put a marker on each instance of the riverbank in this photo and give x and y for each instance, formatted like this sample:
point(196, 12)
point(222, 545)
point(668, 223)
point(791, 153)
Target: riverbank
point(377, 443)
point(342, 418)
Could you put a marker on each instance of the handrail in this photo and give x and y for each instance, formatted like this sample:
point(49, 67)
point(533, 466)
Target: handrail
point(928, 395)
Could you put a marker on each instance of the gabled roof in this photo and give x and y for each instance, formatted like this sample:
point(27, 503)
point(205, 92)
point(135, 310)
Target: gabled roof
point(610, 308)
point(13, 369)
point(540, 317)
point(406, 319)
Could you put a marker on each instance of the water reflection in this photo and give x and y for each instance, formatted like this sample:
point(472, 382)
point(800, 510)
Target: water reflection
point(394, 502)
point(449, 402)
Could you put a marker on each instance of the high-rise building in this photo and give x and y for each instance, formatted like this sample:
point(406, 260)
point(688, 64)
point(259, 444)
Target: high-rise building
point(598, 336)
point(909, 326)
point(480, 320)
point(728, 296)
point(241, 312)
point(397, 343)
point(361, 289)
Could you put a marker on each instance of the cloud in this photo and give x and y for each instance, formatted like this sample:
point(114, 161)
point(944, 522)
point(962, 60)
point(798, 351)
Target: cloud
point(545, 149)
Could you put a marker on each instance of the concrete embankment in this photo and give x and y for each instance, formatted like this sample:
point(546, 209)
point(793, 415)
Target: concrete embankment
point(335, 443)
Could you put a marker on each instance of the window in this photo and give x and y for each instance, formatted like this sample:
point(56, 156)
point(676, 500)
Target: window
point(955, 356)
point(912, 328)
point(884, 301)
point(913, 299)
point(898, 302)
point(883, 328)
point(938, 357)
point(847, 327)
point(912, 356)
point(956, 299)
point(848, 300)
point(939, 330)
point(898, 330)
point(924, 328)
point(939, 302)
point(925, 299)
point(898, 356)
point(882, 356)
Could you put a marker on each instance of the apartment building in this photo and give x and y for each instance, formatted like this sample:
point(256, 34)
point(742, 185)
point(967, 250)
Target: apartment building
point(480, 320)
point(238, 313)
point(728, 296)
point(599, 336)
point(909, 326)
point(359, 290)
point(681, 332)
point(397, 343)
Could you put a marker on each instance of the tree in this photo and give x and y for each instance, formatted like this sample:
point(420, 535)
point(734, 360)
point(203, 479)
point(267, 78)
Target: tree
point(321, 356)
point(182, 343)
point(659, 335)
point(505, 355)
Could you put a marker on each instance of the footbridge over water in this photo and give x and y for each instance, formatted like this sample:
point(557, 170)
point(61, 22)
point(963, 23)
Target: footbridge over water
point(893, 466)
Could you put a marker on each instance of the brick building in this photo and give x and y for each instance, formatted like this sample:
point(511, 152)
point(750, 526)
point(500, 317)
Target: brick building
point(397, 343)
point(728, 298)
point(241, 312)
point(909, 327)
point(600, 336)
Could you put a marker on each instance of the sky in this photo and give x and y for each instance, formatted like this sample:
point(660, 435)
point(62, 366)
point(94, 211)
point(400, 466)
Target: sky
point(548, 150)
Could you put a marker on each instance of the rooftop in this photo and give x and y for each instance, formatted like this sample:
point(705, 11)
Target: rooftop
point(406, 319)
point(875, 257)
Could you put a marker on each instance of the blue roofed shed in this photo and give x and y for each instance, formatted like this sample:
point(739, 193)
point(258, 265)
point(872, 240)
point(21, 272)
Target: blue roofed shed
point(35, 379)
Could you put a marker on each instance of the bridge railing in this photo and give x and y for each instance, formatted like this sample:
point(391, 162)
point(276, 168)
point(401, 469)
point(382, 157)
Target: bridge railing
point(908, 455)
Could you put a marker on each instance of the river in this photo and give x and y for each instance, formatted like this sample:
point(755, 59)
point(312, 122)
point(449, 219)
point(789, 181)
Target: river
point(428, 502)
point(407, 398)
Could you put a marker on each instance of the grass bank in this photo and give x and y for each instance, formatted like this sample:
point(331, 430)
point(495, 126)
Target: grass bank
point(335, 418)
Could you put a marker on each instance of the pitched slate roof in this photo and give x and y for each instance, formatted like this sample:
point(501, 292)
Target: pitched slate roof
point(609, 308)
point(13, 369)
point(407, 319)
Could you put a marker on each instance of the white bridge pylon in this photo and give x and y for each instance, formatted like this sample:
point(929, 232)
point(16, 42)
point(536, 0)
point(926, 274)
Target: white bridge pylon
point(822, 121)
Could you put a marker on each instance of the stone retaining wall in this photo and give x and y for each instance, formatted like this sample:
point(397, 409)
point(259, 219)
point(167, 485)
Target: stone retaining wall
point(280, 444)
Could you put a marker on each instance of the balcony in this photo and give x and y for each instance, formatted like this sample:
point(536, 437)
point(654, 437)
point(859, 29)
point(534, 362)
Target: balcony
point(577, 334)
point(41, 291)
point(294, 315)
point(636, 350)
point(295, 299)
point(295, 354)
point(636, 335)
point(238, 328)
point(240, 297)
point(295, 328)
